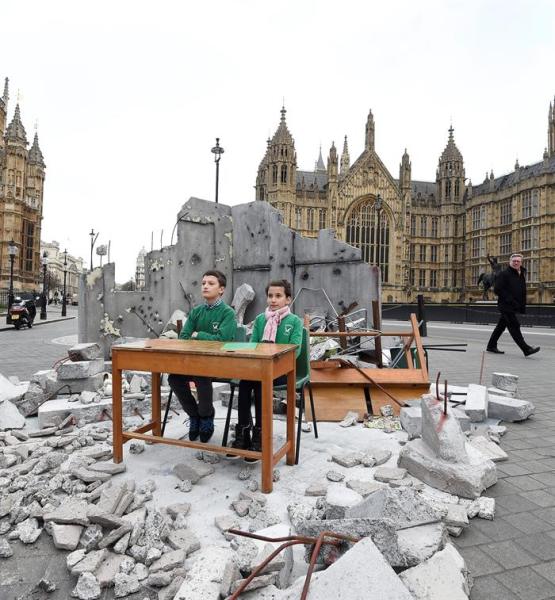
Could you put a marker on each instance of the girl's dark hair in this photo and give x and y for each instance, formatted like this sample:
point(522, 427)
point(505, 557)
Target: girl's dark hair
point(222, 280)
point(281, 283)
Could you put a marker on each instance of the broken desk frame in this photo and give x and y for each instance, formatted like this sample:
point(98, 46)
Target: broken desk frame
point(337, 385)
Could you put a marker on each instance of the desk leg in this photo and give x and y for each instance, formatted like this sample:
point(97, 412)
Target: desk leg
point(156, 405)
point(267, 433)
point(291, 397)
point(117, 424)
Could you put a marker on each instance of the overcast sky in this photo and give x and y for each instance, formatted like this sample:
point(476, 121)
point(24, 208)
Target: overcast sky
point(130, 95)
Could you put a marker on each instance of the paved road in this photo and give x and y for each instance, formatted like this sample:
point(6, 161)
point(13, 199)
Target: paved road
point(511, 557)
point(26, 351)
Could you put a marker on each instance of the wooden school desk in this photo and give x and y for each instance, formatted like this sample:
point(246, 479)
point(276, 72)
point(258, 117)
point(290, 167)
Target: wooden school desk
point(208, 359)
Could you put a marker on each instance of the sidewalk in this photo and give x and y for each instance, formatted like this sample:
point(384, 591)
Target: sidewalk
point(53, 315)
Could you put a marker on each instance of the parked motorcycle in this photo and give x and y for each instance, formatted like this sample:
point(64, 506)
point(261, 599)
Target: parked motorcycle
point(23, 313)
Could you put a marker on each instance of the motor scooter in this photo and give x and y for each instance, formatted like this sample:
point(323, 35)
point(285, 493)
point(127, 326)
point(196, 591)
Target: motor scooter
point(23, 313)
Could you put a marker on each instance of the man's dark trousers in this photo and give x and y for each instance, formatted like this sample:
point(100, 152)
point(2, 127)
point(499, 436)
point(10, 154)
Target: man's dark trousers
point(181, 388)
point(508, 320)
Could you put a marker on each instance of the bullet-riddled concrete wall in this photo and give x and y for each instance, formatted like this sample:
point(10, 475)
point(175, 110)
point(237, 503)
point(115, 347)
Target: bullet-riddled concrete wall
point(249, 244)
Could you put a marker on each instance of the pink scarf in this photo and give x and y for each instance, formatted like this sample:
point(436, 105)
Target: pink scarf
point(273, 319)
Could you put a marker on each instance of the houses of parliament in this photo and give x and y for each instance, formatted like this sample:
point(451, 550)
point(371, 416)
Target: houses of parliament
point(22, 172)
point(428, 237)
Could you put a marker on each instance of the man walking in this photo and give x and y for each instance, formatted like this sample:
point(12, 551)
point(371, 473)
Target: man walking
point(510, 287)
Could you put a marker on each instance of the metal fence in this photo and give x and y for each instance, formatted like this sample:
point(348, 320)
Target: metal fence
point(537, 315)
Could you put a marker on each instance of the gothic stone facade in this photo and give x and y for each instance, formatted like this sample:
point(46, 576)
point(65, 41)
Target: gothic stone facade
point(21, 196)
point(428, 237)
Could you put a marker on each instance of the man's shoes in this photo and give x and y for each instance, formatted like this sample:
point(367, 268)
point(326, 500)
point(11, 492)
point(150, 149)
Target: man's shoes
point(206, 428)
point(494, 350)
point(194, 428)
point(242, 440)
point(256, 444)
point(531, 350)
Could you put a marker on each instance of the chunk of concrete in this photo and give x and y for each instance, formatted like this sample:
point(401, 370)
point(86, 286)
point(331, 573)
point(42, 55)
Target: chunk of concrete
point(90, 562)
point(71, 511)
point(10, 417)
point(194, 473)
point(80, 369)
point(509, 409)
point(258, 582)
point(411, 419)
point(204, 578)
point(87, 587)
point(488, 448)
point(347, 459)
point(468, 478)
point(108, 569)
point(66, 537)
point(317, 488)
point(442, 433)
point(417, 544)
point(388, 474)
point(34, 397)
point(183, 539)
point(125, 585)
point(457, 515)
point(405, 507)
point(505, 381)
point(281, 564)
point(476, 406)
point(339, 499)
point(169, 561)
point(87, 351)
point(442, 576)
point(359, 572)
point(364, 488)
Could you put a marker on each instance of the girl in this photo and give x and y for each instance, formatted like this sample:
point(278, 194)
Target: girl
point(276, 325)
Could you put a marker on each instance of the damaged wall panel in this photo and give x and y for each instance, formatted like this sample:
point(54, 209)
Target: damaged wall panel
point(250, 244)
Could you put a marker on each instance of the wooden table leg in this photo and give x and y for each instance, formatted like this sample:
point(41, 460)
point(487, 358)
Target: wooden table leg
point(267, 432)
point(156, 405)
point(290, 457)
point(117, 424)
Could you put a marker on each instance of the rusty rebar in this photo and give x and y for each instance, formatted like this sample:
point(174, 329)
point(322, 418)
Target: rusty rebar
point(445, 397)
point(290, 540)
point(137, 412)
point(437, 386)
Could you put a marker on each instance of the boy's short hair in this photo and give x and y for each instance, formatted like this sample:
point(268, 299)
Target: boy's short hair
point(281, 283)
point(222, 280)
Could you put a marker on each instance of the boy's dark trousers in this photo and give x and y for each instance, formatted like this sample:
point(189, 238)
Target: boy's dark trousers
point(246, 390)
point(181, 388)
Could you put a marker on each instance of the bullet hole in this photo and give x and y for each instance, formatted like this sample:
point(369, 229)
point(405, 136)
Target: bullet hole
point(252, 234)
point(271, 257)
point(195, 283)
point(341, 303)
point(180, 263)
point(285, 249)
point(352, 254)
point(282, 266)
point(305, 276)
point(336, 271)
point(149, 308)
point(342, 250)
point(162, 277)
point(195, 259)
point(151, 298)
point(143, 298)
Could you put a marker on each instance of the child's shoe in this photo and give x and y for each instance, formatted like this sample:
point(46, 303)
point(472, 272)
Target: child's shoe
point(206, 428)
point(194, 428)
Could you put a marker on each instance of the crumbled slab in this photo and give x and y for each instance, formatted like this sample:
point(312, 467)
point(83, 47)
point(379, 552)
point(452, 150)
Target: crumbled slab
point(169, 561)
point(258, 582)
point(498, 392)
point(442, 576)
point(90, 562)
point(376, 456)
point(87, 587)
point(66, 537)
point(387, 474)
point(467, 479)
point(5, 548)
point(71, 511)
point(419, 543)
point(457, 515)
point(509, 409)
point(405, 507)
point(505, 381)
point(318, 488)
point(476, 406)
point(483, 507)
point(194, 473)
point(125, 585)
point(179, 508)
point(80, 369)
point(442, 433)
point(359, 572)
point(488, 448)
point(339, 499)
point(88, 476)
point(281, 564)
point(108, 569)
point(347, 459)
point(87, 351)
point(10, 417)
point(183, 540)
point(364, 488)
point(335, 476)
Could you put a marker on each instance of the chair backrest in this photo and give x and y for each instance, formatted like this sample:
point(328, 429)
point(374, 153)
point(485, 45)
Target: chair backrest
point(303, 361)
point(240, 334)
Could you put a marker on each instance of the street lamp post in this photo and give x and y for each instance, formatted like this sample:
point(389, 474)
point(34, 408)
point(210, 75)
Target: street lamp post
point(43, 303)
point(378, 204)
point(64, 299)
point(94, 237)
point(12, 251)
point(217, 151)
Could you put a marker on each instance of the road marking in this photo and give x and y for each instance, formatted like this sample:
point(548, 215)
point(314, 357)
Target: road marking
point(457, 328)
point(66, 340)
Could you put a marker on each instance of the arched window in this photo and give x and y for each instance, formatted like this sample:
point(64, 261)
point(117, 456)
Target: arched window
point(368, 229)
point(310, 218)
point(457, 188)
point(448, 188)
point(283, 173)
point(274, 173)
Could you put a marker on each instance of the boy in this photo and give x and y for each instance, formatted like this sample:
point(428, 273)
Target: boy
point(213, 320)
point(276, 325)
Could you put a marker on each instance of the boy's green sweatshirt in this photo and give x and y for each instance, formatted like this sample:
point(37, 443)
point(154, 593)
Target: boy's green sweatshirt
point(211, 324)
point(289, 331)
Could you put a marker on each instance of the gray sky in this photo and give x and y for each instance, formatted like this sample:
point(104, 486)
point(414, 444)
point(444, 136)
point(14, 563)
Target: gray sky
point(130, 95)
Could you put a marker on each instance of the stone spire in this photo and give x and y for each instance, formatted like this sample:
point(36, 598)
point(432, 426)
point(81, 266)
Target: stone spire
point(345, 159)
point(370, 132)
point(405, 171)
point(320, 166)
point(15, 131)
point(332, 163)
point(6, 96)
point(551, 129)
point(450, 172)
point(35, 153)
